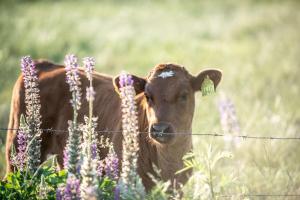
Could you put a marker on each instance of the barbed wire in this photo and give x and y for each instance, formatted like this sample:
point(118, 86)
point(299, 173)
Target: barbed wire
point(258, 195)
point(178, 133)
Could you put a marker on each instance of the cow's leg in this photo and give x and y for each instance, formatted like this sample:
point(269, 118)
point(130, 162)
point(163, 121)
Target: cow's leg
point(11, 142)
point(46, 145)
point(60, 155)
point(59, 145)
point(17, 107)
point(11, 139)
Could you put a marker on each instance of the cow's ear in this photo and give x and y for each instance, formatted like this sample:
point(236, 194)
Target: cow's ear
point(138, 84)
point(213, 74)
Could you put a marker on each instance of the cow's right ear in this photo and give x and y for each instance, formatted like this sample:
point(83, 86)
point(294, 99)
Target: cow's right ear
point(138, 84)
point(214, 74)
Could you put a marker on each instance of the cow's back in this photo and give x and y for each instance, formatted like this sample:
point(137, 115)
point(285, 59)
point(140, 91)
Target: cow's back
point(56, 109)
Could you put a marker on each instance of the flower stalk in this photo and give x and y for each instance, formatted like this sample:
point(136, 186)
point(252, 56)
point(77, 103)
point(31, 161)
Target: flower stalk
point(20, 159)
point(130, 183)
point(229, 119)
point(33, 117)
point(73, 144)
point(88, 170)
point(71, 189)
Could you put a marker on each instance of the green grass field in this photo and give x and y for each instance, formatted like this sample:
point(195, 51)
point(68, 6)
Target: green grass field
point(255, 43)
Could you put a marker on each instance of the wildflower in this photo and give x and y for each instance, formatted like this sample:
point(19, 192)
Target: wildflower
point(72, 147)
point(72, 188)
point(22, 140)
point(13, 156)
point(91, 193)
point(90, 94)
point(229, 119)
point(89, 149)
point(73, 144)
point(88, 174)
point(33, 116)
point(79, 164)
point(117, 193)
point(125, 80)
point(73, 80)
point(59, 193)
point(43, 189)
point(94, 150)
point(66, 158)
point(130, 183)
point(89, 137)
point(104, 142)
point(89, 64)
point(100, 168)
point(111, 167)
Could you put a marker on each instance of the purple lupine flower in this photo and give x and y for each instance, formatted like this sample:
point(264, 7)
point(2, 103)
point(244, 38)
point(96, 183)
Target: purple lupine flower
point(91, 193)
point(117, 193)
point(33, 116)
point(100, 168)
point(88, 169)
point(125, 80)
point(28, 70)
point(88, 174)
point(59, 193)
point(90, 94)
point(73, 80)
point(129, 177)
point(229, 119)
point(66, 158)
point(73, 143)
point(89, 160)
point(72, 188)
point(20, 159)
point(89, 64)
point(94, 150)
point(22, 146)
point(112, 165)
point(78, 166)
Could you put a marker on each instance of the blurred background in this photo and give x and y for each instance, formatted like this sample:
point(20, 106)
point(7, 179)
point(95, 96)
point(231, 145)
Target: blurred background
point(255, 43)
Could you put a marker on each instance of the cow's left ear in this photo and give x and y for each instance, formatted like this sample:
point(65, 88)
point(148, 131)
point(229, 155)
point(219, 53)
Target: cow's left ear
point(138, 84)
point(214, 74)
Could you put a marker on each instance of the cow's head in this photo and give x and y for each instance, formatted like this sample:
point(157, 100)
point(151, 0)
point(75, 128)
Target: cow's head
point(169, 96)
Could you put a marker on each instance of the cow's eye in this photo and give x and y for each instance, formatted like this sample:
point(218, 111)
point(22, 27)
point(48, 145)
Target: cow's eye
point(149, 98)
point(183, 97)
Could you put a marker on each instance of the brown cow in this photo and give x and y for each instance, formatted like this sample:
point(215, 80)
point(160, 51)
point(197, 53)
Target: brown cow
point(165, 100)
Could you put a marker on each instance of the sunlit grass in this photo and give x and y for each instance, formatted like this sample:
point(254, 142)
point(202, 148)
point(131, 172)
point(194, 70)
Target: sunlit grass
point(255, 43)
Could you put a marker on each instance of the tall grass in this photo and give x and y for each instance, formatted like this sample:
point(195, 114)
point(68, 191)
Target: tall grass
point(255, 43)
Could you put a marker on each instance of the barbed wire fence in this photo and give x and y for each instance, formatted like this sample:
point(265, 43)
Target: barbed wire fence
point(214, 134)
point(241, 196)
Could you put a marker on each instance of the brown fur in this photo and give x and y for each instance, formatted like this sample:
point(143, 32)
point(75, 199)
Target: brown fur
point(56, 111)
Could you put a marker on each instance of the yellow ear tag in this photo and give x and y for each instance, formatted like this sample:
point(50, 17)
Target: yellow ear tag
point(207, 87)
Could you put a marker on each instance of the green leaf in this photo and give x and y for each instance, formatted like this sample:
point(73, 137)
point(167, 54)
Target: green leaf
point(220, 156)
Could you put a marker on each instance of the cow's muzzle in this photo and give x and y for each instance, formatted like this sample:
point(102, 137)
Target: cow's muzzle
point(161, 132)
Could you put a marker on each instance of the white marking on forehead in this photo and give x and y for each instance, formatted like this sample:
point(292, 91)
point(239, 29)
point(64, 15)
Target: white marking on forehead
point(166, 74)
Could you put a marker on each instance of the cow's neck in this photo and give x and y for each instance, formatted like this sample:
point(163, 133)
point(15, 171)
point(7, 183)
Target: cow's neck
point(169, 157)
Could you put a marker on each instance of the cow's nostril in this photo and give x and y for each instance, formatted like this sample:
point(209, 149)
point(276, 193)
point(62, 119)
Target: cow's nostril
point(161, 132)
point(159, 127)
